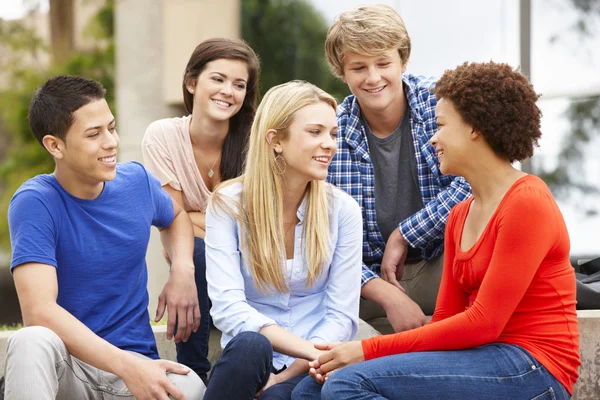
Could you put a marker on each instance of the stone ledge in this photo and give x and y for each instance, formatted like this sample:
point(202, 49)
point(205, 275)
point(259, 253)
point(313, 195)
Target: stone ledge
point(587, 388)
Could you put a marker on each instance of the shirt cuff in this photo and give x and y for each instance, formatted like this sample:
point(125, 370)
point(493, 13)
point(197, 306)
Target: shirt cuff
point(257, 322)
point(366, 276)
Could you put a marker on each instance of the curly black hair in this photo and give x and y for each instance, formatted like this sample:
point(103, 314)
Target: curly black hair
point(497, 101)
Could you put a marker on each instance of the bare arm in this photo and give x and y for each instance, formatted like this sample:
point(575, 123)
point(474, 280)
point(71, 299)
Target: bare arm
point(179, 295)
point(198, 218)
point(37, 288)
point(287, 343)
point(401, 310)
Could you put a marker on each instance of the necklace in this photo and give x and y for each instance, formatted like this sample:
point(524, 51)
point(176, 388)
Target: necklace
point(210, 169)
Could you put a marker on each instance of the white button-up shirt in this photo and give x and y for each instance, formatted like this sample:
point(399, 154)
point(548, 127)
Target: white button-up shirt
point(325, 312)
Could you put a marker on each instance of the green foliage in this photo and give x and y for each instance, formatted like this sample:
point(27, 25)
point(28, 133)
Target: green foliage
point(25, 157)
point(14, 327)
point(289, 37)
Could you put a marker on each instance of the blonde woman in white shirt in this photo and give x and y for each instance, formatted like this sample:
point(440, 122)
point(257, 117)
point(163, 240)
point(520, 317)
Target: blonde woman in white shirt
point(283, 250)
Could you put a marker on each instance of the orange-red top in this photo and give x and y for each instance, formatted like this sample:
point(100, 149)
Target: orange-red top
point(514, 285)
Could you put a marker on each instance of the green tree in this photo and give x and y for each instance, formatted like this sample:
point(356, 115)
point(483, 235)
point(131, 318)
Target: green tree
point(25, 158)
point(289, 37)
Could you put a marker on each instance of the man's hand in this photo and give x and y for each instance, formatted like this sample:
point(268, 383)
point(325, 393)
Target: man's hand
point(271, 382)
point(180, 298)
point(394, 256)
point(147, 379)
point(402, 312)
point(340, 355)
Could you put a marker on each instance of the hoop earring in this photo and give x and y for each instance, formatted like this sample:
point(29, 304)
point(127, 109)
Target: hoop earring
point(279, 170)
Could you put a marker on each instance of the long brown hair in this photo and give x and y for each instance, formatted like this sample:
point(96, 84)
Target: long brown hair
point(236, 141)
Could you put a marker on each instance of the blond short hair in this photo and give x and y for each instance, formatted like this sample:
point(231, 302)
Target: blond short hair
point(369, 30)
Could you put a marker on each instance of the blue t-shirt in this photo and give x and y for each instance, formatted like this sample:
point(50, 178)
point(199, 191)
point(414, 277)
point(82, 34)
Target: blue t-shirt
point(98, 248)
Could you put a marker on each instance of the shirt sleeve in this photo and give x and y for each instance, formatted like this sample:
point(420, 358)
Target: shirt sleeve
point(162, 204)
point(340, 322)
point(230, 310)
point(156, 158)
point(367, 274)
point(33, 233)
point(428, 223)
point(526, 230)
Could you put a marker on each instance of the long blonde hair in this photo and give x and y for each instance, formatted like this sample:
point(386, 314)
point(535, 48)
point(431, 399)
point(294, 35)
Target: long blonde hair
point(260, 211)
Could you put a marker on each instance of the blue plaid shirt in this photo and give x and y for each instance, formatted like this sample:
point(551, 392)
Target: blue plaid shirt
point(352, 170)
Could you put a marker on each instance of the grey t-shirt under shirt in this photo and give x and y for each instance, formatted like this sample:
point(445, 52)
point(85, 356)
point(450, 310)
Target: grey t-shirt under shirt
point(397, 194)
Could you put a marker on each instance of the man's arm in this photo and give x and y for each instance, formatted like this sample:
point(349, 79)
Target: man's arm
point(179, 295)
point(198, 218)
point(37, 288)
point(402, 312)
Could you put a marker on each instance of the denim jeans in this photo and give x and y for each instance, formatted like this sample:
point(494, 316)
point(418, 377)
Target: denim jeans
point(39, 367)
point(194, 352)
point(244, 368)
point(494, 371)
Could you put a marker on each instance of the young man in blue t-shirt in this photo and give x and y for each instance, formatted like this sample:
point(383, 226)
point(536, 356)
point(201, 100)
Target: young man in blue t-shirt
point(79, 238)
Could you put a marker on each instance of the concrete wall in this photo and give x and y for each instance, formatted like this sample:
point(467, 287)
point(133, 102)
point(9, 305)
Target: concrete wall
point(187, 23)
point(588, 385)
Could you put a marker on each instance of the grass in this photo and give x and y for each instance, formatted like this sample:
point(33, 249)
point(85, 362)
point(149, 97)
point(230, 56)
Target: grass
point(16, 327)
point(161, 322)
point(13, 327)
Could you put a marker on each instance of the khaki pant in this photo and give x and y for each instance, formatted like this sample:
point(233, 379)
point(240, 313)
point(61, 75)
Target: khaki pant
point(39, 367)
point(421, 280)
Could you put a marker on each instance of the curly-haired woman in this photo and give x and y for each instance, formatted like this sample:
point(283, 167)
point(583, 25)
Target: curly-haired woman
point(505, 325)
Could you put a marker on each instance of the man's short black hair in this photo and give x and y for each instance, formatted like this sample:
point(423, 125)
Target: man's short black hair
point(52, 107)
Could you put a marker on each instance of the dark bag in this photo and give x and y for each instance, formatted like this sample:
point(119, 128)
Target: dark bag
point(588, 285)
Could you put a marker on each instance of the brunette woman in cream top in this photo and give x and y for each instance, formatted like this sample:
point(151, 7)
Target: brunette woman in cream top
point(192, 154)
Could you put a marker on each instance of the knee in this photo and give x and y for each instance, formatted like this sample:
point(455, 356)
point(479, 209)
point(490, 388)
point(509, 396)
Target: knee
point(254, 341)
point(341, 381)
point(190, 385)
point(251, 348)
point(307, 389)
point(329, 389)
point(32, 346)
point(33, 338)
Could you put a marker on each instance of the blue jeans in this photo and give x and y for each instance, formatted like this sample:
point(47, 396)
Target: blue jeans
point(244, 368)
point(494, 371)
point(194, 352)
